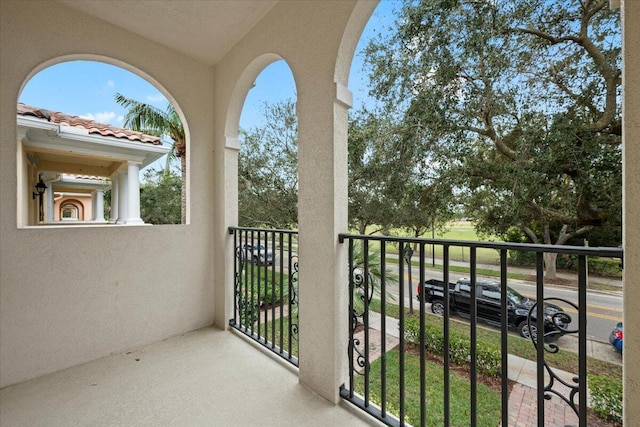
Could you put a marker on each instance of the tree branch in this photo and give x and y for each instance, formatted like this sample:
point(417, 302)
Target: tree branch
point(529, 233)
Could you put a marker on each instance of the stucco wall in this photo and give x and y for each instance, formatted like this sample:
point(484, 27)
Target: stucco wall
point(68, 296)
point(631, 207)
point(310, 37)
point(73, 295)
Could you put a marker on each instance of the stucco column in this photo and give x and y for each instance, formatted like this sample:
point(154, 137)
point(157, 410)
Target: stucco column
point(631, 207)
point(322, 214)
point(98, 205)
point(133, 199)
point(113, 212)
point(123, 197)
point(227, 205)
point(49, 204)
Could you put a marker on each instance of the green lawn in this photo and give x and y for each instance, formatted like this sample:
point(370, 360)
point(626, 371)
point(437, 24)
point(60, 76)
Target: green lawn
point(267, 332)
point(455, 231)
point(488, 400)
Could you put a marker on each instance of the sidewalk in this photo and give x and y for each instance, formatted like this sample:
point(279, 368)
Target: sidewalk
point(523, 398)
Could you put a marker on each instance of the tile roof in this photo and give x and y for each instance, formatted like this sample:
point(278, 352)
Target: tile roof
point(88, 177)
point(91, 126)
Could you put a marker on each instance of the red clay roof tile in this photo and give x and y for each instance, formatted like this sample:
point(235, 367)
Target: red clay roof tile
point(91, 126)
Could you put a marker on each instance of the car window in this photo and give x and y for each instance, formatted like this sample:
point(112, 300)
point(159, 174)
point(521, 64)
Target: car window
point(515, 297)
point(491, 293)
point(465, 288)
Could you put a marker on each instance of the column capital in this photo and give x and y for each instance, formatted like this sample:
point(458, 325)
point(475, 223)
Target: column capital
point(344, 96)
point(232, 143)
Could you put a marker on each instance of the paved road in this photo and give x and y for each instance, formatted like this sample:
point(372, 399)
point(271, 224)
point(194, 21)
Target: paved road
point(604, 310)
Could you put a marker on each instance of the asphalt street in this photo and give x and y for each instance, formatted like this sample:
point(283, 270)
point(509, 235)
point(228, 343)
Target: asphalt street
point(604, 309)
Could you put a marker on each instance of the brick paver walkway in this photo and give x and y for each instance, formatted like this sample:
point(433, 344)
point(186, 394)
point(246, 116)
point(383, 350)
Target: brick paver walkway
point(523, 409)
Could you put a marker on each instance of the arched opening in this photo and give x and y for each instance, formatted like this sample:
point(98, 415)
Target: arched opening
point(424, 193)
point(267, 160)
point(71, 210)
point(267, 193)
point(97, 129)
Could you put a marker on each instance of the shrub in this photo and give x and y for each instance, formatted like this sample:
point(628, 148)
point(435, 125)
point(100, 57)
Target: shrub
point(605, 266)
point(268, 294)
point(249, 310)
point(597, 266)
point(488, 359)
point(522, 258)
point(606, 397)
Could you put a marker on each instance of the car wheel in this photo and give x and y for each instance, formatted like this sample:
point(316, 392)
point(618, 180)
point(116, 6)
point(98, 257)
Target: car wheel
point(437, 307)
point(525, 331)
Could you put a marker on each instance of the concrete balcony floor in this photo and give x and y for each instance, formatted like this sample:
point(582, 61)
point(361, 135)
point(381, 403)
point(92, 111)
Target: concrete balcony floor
point(207, 377)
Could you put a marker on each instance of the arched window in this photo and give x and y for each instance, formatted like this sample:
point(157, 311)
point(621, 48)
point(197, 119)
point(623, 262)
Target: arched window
point(55, 142)
point(69, 212)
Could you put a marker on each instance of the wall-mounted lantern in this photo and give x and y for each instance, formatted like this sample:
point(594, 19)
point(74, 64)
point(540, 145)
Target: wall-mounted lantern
point(40, 189)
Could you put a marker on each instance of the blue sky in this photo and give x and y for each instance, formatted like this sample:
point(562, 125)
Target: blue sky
point(87, 89)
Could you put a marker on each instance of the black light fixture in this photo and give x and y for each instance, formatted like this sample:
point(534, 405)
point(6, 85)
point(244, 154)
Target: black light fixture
point(40, 189)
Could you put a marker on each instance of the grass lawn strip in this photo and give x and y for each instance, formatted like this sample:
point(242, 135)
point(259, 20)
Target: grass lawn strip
point(488, 399)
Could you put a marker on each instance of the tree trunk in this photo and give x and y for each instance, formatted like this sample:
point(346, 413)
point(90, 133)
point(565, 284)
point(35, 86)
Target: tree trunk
point(550, 265)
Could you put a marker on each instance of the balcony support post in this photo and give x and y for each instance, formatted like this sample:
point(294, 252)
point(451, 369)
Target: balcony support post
point(322, 214)
point(227, 200)
point(631, 207)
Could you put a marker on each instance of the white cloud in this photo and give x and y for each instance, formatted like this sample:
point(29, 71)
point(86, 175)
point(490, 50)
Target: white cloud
point(120, 119)
point(111, 83)
point(156, 98)
point(103, 117)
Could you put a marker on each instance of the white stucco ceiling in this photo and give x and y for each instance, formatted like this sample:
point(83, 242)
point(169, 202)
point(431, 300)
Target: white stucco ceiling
point(202, 29)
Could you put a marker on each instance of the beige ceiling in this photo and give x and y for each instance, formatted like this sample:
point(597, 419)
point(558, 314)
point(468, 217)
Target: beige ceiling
point(202, 29)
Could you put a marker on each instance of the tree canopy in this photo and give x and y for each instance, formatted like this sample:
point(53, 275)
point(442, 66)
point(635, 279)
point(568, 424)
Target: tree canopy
point(392, 184)
point(268, 170)
point(518, 102)
point(160, 197)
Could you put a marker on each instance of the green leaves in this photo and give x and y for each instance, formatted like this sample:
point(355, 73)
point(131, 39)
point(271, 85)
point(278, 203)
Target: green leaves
point(516, 102)
point(267, 170)
point(160, 198)
point(154, 121)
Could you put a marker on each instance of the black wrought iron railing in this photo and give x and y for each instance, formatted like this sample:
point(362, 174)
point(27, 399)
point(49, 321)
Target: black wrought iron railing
point(405, 368)
point(265, 288)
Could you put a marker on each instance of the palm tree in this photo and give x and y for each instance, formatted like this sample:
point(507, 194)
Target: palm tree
point(154, 121)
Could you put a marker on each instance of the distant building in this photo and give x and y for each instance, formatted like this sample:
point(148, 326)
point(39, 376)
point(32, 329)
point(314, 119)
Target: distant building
point(78, 160)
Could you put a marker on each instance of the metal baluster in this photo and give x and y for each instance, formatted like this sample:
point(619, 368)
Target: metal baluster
point(539, 338)
point(402, 345)
point(352, 320)
point(447, 373)
point(582, 338)
point(504, 331)
point(383, 328)
point(474, 338)
point(281, 238)
point(423, 367)
point(365, 319)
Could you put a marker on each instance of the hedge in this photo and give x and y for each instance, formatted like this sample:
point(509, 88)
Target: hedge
point(606, 397)
point(598, 266)
point(487, 355)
